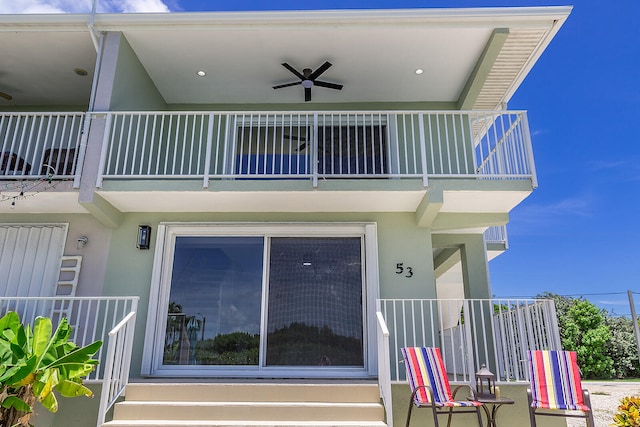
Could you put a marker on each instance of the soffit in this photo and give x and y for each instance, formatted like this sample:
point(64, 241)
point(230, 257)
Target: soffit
point(374, 54)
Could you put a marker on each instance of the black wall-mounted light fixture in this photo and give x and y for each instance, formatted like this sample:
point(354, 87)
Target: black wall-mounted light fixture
point(144, 237)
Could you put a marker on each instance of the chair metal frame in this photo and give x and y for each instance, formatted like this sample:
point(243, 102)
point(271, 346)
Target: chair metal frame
point(439, 407)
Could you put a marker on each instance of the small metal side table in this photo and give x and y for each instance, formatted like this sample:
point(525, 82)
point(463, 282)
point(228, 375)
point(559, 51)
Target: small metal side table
point(496, 403)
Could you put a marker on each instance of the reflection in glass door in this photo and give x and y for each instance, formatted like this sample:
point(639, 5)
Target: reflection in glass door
point(226, 309)
point(315, 302)
point(215, 301)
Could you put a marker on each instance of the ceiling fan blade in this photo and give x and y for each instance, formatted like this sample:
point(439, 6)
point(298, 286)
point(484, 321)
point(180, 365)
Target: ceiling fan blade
point(321, 69)
point(294, 137)
point(287, 85)
point(327, 84)
point(6, 96)
point(293, 70)
point(307, 94)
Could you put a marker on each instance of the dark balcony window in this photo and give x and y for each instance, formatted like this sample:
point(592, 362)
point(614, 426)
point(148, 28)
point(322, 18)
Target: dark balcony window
point(289, 150)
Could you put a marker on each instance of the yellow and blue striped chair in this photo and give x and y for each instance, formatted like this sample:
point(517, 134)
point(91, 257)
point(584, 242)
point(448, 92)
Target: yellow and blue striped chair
point(556, 389)
point(430, 385)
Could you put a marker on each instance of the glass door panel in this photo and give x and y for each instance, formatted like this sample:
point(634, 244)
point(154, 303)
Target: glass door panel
point(315, 302)
point(215, 301)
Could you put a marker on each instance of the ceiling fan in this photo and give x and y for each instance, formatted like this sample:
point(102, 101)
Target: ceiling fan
point(308, 79)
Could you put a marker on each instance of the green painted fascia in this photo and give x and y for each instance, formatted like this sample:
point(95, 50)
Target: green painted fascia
point(277, 185)
point(44, 108)
point(350, 106)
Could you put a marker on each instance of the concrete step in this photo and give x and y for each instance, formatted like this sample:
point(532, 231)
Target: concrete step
point(260, 392)
point(226, 423)
point(249, 404)
point(251, 411)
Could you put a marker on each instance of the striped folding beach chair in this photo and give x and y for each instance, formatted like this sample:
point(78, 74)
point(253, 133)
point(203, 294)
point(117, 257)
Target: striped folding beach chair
point(430, 385)
point(555, 386)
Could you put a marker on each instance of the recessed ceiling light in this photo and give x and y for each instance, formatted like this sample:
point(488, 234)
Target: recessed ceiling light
point(419, 71)
point(81, 72)
point(201, 73)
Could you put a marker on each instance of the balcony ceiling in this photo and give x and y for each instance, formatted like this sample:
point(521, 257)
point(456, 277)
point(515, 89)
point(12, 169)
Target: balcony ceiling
point(374, 55)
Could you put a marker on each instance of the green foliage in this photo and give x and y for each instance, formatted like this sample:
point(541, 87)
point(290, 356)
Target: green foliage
point(586, 333)
point(628, 414)
point(237, 348)
point(300, 344)
point(34, 363)
point(622, 347)
point(617, 332)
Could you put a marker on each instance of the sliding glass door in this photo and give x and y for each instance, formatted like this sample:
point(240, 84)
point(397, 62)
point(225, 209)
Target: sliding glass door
point(315, 302)
point(274, 302)
point(213, 316)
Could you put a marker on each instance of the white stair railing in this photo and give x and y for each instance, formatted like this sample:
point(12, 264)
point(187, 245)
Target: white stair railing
point(117, 364)
point(91, 317)
point(384, 375)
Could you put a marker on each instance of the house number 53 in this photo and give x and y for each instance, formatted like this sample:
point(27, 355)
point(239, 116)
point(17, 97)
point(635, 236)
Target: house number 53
point(406, 271)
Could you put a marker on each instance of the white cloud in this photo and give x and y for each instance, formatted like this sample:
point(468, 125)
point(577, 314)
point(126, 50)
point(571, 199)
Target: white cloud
point(571, 207)
point(81, 6)
point(132, 6)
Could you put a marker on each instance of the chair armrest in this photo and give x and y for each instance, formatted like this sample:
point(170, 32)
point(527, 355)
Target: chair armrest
point(429, 393)
point(472, 392)
point(587, 398)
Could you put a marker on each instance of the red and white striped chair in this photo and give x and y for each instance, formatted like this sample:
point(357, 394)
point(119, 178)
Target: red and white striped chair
point(430, 385)
point(556, 389)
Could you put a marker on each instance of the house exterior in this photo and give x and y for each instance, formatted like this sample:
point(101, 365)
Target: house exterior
point(256, 231)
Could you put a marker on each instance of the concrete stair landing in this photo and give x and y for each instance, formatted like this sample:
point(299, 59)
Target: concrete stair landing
point(245, 404)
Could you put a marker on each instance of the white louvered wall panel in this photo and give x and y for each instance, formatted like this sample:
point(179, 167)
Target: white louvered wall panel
point(30, 257)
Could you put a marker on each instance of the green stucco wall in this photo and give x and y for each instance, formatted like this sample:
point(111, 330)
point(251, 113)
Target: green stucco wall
point(129, 270)
point(132, 88)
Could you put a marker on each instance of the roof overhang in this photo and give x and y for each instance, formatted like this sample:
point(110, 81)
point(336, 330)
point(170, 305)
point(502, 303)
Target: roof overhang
point(472, 58)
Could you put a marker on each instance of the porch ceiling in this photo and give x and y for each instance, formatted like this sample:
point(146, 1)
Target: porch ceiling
point(374, 54)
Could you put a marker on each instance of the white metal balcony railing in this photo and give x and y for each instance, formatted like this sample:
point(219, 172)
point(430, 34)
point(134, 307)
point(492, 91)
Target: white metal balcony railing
point(497, 235)
point(470, 332)
point(40, 144)
point(223, 145)
point(206, 145)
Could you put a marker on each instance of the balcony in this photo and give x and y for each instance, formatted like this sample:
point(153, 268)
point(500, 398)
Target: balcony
point(39, 145)
point(374, 158)
point(313, 146)
point(255, 145)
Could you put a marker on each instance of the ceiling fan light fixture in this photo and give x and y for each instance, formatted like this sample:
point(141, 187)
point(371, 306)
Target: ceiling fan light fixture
point(308, 79)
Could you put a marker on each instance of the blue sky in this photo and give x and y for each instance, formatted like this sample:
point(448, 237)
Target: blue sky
point(579, 232)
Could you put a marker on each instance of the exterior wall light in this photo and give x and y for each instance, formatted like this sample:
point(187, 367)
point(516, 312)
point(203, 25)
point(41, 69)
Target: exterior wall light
point(144, 237)
point(82, 242)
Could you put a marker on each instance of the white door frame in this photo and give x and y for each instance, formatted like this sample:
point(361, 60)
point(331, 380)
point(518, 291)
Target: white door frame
point(161, 283)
